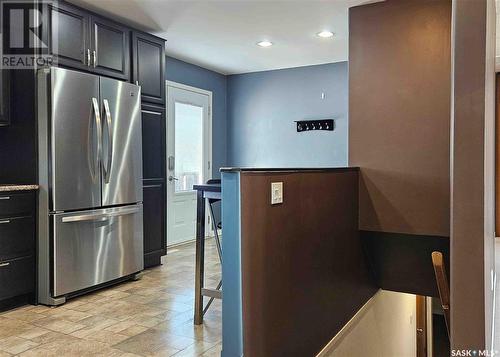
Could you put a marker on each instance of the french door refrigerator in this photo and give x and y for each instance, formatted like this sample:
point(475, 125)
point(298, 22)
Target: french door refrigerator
point(90, 175)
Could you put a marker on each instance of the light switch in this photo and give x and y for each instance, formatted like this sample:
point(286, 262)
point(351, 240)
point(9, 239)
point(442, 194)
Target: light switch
point(276, 192)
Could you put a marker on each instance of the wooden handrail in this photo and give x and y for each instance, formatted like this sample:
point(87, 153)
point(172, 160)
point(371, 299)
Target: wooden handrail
point(443, 286)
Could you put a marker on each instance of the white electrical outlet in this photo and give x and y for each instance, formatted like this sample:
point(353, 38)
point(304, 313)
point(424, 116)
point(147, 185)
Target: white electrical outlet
point(276, 193)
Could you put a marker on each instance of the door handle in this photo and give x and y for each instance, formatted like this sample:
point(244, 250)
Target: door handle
point(5, 221)
point(109, 123)
point(4, 265)
point(97, 118)
point(88, 57)
point(171, 163)
point(172, 178)
point(94, 56)
point(4, 198)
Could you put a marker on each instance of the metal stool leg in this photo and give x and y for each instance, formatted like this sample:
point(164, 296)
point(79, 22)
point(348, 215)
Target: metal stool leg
point(217, 240)
point(219, 251)
point(212, 298)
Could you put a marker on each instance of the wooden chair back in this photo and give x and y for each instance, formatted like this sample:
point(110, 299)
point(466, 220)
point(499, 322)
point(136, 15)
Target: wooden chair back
point(443, 286)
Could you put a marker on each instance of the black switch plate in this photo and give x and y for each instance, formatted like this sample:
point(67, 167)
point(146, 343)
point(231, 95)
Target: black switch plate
point(310, 125)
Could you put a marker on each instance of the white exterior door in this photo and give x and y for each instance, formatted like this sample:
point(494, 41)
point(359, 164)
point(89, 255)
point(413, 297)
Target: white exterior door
point(188, 157)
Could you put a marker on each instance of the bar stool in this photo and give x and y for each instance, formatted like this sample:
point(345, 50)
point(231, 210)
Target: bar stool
point(216, 226)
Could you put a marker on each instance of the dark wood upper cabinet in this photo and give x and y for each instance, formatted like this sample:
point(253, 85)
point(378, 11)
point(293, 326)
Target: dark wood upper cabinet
point(148, 61)
point(81, 40)
point(68, 38)
point(110, 48)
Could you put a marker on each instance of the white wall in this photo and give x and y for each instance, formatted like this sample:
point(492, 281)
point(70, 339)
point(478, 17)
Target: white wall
point(384, 327)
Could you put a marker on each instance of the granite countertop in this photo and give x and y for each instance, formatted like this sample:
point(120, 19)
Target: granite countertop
point(15, 187)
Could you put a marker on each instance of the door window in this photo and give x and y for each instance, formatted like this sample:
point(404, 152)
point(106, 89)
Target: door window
point(188, 146)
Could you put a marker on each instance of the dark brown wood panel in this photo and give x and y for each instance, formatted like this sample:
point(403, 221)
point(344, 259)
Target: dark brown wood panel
point(421, 323)
point(472, 208)
point(402, 262)
point(303, 269)
point(399, 114)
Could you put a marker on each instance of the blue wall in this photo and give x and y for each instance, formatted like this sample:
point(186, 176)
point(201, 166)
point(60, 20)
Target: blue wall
point(192, 75)
point(263, 106)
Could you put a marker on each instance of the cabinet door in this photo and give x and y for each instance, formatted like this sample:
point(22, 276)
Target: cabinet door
point(69, 36)
point(110, 47)
point(153, 143)
point(4, 97)
point(155, 243)
point(149, 66)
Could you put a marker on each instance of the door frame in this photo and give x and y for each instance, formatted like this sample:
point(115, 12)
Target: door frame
point(209, 174)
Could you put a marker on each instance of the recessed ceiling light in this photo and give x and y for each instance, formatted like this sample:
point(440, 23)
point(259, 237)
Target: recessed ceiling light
point(325, 34)
point(264, 43)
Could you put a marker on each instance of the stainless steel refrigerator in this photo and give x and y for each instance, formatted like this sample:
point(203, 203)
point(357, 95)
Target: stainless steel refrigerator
point(90, 175)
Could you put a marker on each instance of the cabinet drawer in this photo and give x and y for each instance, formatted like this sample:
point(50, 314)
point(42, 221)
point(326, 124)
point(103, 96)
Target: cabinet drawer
point(16, 204)
point(17, 237)
point(17, 277)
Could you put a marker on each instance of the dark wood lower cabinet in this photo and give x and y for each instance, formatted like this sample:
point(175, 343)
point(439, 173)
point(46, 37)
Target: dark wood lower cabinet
point(17, 246)
point(17, 277)
point(155, 239)
point(154, 162)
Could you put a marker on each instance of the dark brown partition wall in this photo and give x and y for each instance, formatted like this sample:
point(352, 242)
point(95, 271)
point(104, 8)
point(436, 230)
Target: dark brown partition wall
point(472, 235)
point(399, 136)
point(399, 114)
point(303, 270)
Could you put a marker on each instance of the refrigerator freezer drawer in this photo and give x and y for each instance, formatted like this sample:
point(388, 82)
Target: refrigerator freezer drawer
point(94, 247)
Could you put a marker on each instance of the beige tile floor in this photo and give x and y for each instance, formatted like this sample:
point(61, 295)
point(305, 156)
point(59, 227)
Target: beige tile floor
point(149, 317)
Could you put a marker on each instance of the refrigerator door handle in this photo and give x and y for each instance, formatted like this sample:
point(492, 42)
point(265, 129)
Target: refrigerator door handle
point(125, 211)
point(86, 218)
point(97, 118)
point(109, 123)
point(100, 217)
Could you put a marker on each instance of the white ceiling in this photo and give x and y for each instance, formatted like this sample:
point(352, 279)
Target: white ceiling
point(222, 35)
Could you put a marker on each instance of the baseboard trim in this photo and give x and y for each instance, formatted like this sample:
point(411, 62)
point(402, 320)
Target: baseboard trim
point(177, 245)
point(337, 339)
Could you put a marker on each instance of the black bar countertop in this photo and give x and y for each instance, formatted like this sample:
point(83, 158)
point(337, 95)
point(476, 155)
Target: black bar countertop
point(210, 187)
point(288, 169)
